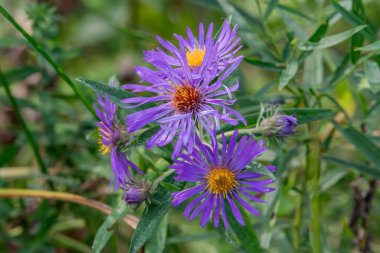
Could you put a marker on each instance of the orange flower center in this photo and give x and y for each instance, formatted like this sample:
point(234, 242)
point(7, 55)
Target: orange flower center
point(221, 180)
point(186, 98)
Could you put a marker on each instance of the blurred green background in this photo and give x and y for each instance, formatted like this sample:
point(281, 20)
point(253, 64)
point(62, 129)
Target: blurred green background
point(96, 39)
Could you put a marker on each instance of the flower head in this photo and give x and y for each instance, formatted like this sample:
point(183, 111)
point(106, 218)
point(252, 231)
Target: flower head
point(198, 49)
point(279, 125)
point(136, 191)
point(111, 137)
point(184, 101)
point(222, 179)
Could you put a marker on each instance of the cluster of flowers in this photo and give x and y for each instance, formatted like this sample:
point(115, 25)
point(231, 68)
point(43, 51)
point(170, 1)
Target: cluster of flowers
point(190, 100)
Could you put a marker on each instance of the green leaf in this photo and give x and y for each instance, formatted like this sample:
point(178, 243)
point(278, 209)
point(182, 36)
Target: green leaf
point(245, 234)
point(115, 94)
point(372, 72)
point(353, 19)
point(272, 4)
point(362, 143)
point(169, 187)
point(156, 244)
point(141, 139)
point(288, 73)
point(264, 65)
point(359, 167)
point(261, 169)
point(20, 73)
point(307, 115)
point(320, 32)
point(358, 39)
point(294, 11)
point(371, 47)
point(104, 233)
point(152, 217)
point(331, 40)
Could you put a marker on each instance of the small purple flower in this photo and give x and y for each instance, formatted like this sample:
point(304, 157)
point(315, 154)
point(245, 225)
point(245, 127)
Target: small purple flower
point(198, 49)
point(184, 101)
point(279, 125)
point(222, 179)
point(111, 136)
point(136, 191)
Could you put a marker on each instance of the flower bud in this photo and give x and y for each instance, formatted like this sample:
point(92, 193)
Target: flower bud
point(136, 192)
point(278, 125)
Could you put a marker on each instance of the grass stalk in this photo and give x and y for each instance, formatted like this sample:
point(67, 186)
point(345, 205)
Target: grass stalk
point(28, 133)
point(67, 197)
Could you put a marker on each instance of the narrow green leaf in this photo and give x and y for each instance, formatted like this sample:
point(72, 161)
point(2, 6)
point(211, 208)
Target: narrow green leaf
point(264, 65)
point(294, 11)
point(272, 4)
point(156, 244)
point(288, 73)
point(169, 187)
point(356, 42)
point(362, 143)
point(141, 139)
point(372, 72)
point(371, 47)
point(20, 73)
point(152, 217)
point(307, 115)
point(104, 232)
point(331, 40)
point(261, 169)
point(353, 19)
point(359, 167)
point(246, 234)
point(358, 39)
point(320, 32)
point(115, 94)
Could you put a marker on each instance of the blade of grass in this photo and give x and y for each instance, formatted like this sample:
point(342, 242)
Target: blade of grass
point(29, 135)
point(49, 59)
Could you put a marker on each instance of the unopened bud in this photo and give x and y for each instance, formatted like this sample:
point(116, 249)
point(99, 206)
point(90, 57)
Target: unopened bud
point(136, 192)
point(278, 125)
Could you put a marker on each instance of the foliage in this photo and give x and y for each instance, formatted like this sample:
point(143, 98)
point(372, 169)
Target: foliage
point(318, 60)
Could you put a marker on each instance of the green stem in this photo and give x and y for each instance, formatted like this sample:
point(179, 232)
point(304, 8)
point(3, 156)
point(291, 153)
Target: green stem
point(242, 131)
point(24, 126)
point(47, 57)
point(313, 161)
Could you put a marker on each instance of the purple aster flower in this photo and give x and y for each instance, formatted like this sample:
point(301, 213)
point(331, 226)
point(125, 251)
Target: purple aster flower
point(184, 101)
point(197, 49)
point(111, 136)
point(223, 179)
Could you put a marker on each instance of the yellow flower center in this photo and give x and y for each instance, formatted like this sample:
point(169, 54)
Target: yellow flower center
point(186, 98)
point(221, 180)
point(195, 57)
point(103, 148)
